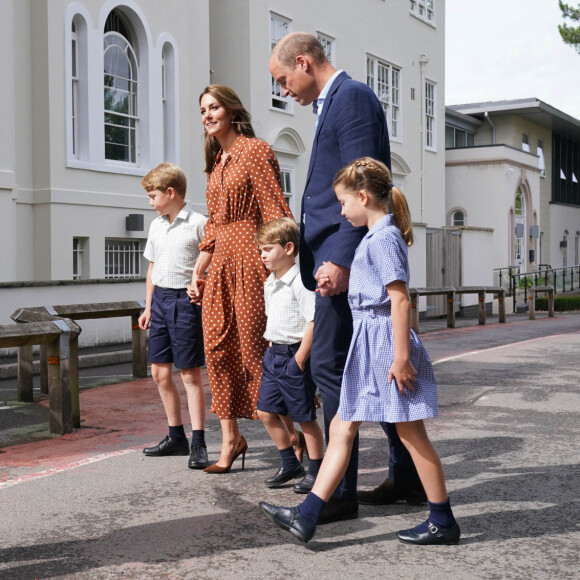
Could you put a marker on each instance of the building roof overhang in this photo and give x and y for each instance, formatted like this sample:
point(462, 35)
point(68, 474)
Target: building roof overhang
point(532, 109)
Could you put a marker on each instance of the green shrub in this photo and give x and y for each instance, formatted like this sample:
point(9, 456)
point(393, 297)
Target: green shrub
point(561, 303)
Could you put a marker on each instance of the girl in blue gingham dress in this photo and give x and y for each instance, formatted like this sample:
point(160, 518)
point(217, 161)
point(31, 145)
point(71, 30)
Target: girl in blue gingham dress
point(388, 375)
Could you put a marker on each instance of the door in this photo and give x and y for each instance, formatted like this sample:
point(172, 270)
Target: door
point(443, 266)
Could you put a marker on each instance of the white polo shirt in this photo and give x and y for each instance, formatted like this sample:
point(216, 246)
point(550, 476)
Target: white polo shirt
point(174, 248)
point(289, 307)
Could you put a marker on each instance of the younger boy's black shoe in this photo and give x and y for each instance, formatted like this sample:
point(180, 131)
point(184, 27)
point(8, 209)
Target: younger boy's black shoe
point(198, 457)
point(168, 446)
point(283, 476)
point(305, 484)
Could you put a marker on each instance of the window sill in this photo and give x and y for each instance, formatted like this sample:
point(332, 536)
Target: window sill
point(106, 168)
point(423, 20)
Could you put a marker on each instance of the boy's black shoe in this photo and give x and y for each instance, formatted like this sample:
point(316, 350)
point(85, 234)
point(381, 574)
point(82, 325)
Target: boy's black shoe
point(283, 476)
point(198, 457)
point(168, 447)
point(305, 484)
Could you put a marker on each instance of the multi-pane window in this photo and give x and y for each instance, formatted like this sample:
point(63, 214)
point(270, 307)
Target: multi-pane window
point(121, 83)
point(458, 218)
point(279, 28)
point(286, 178)
point(123, 258)
point(520, 224)
point(328, 46)
point(385, 80)
point(455, 137)
point(424, 9)
point(79, 257)
point(75, 90)
point(430, 115)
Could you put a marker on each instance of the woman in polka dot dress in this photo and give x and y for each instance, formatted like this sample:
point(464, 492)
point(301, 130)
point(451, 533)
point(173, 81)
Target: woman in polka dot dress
point(243, 193)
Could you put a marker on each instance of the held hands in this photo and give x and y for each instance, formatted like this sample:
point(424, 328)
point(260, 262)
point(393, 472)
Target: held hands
point(195, 290)
point(405, 375)
point(332, 279)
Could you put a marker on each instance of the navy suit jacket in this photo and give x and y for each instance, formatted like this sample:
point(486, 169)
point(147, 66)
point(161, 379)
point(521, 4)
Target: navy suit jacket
point(352, 124)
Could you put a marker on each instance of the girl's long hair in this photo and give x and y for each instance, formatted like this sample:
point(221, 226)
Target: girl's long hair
point(375, 178)
point(242, 121)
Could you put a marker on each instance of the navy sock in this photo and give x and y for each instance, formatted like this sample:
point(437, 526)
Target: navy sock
point(314, 466)
point(289, 459)
point(177, 432)
point(311, 508)
point(198, 437)
point(441, 515)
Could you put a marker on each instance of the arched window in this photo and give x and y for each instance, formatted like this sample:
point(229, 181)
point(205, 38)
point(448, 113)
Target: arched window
point(169, 103)
point(520, 227)
point(77, 73)
point(74, 73)
point(121, 84)
point(458, 218)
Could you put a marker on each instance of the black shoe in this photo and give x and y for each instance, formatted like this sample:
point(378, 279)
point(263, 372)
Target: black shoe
point(432, 535)
point(338, 509)
point(305, 485)
point(198, 457)
point(289, 519)
point(391, 491)
point(284, 476)
point(168, 447)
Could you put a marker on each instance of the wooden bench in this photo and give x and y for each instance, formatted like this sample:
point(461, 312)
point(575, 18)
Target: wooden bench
point(450, 292)
point(534, 290)
point(101, 310)
point(56, 336)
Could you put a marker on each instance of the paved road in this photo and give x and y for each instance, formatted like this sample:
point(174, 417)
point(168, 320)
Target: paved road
point(90, 506)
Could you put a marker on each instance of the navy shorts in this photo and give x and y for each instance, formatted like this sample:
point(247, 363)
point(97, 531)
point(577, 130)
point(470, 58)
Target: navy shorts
point(175, 334)
point(285, 389)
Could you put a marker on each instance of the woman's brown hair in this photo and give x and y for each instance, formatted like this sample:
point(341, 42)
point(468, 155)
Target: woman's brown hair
point(375, 178)
point(241, 122)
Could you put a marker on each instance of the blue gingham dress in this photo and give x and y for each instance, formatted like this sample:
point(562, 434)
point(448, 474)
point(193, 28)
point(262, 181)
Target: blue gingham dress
point(366, 394)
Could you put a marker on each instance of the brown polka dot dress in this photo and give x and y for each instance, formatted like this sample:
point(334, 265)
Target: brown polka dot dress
point(243, 193)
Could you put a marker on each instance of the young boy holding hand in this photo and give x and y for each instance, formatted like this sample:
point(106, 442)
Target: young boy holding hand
point(175, 333)
point(287, 388)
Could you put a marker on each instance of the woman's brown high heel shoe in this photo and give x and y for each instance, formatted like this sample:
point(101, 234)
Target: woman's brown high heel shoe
point(240, 450)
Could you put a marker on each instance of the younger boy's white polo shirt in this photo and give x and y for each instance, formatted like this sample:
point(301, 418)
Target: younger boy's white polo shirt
point(289, 307)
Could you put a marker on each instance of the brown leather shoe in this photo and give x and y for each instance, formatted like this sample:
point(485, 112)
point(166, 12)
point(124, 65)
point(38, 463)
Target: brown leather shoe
point(391, 491)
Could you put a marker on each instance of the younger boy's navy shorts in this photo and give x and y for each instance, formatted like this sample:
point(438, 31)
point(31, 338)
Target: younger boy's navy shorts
point(175, 334)
point(285, 389)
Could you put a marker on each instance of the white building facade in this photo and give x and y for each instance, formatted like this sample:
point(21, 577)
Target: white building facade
point(514, 166)
point(104, 90)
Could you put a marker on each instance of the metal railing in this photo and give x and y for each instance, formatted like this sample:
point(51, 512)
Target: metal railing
point(502, 277)
point(561, 279)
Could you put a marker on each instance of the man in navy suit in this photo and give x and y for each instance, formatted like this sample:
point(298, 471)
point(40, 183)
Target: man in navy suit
point(350, 123)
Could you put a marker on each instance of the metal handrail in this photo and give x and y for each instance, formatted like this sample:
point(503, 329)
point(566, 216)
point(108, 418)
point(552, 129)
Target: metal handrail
point(558, 278)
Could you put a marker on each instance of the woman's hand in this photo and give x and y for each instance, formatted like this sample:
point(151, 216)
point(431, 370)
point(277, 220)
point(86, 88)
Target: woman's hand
point(196, 286)
point(195, 290)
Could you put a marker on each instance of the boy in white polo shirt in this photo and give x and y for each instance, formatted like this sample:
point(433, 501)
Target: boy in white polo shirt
point(287, 388)
point(175, 334)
